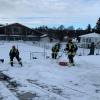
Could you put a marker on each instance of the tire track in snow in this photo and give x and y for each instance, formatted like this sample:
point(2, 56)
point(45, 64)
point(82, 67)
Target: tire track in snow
point(54, 89)
point(5, 91)
point(47, 91)
point(36, 87)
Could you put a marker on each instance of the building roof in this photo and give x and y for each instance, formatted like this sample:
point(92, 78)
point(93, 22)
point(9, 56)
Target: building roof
point(91, 35)
point(33, 31)
point(1, 25)
point(16, 24)
point(44, 35)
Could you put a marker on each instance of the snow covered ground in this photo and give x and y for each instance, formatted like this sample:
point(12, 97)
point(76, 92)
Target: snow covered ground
point(44, 79)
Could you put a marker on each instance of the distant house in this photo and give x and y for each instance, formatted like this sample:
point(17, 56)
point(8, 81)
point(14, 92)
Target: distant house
point(18, 31)
point(44, 38)
point(65, 38)
point(47, 38)
point(87, 39)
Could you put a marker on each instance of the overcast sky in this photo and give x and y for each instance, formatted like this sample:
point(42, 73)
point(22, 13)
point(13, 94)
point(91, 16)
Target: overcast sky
point(78, 13)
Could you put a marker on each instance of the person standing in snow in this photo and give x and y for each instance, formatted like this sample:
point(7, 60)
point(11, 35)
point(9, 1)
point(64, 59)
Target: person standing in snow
point(55, 50)
point(92, 48)
point(14, 53)
point(71, 49)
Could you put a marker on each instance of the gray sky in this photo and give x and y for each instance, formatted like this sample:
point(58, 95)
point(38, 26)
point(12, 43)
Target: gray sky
point(78, 13)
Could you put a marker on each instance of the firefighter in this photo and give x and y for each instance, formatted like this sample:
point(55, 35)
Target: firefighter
point(71, 49)
point(55, 50)
point(14, 53)
point(92, 48)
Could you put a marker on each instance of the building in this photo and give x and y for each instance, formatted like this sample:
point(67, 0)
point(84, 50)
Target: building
point(86, 40)
point(45, 38)
point(18, 31)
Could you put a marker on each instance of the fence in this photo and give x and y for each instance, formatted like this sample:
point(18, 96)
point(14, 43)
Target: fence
point(83, 50)
point(37, 55)
point(43, 44)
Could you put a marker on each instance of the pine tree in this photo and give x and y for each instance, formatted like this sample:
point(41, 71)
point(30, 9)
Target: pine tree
point(89, 29)
point(98, 26)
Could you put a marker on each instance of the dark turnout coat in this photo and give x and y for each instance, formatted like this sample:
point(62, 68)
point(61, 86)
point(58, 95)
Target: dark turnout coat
point(71, 48)
point(14, 53)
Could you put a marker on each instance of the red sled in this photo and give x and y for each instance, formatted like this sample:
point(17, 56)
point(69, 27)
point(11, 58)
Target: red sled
point(63, 63)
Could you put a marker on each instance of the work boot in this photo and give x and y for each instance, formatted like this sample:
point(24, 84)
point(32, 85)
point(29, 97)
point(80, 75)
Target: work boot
point(12, 64)
point(21, 63)
point(72, 64)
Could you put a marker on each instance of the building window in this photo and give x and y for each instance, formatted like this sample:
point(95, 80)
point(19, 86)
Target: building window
point(16, 30)
point(89, 40)
point(83, 40)
point(97, 40)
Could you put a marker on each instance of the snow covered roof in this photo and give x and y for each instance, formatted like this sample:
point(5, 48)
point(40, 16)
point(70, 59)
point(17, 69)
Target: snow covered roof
point(91, 35)
point(44, 35)
point(65, 37)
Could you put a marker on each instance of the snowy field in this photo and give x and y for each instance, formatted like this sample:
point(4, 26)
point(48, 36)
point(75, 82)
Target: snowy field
point(44, 79)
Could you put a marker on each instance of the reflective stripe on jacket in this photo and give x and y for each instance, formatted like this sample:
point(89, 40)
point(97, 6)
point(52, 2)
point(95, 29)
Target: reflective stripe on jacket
point(70, 49)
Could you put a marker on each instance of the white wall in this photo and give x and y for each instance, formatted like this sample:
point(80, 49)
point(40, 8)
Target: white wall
point(45, 39)
point(86, 41)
